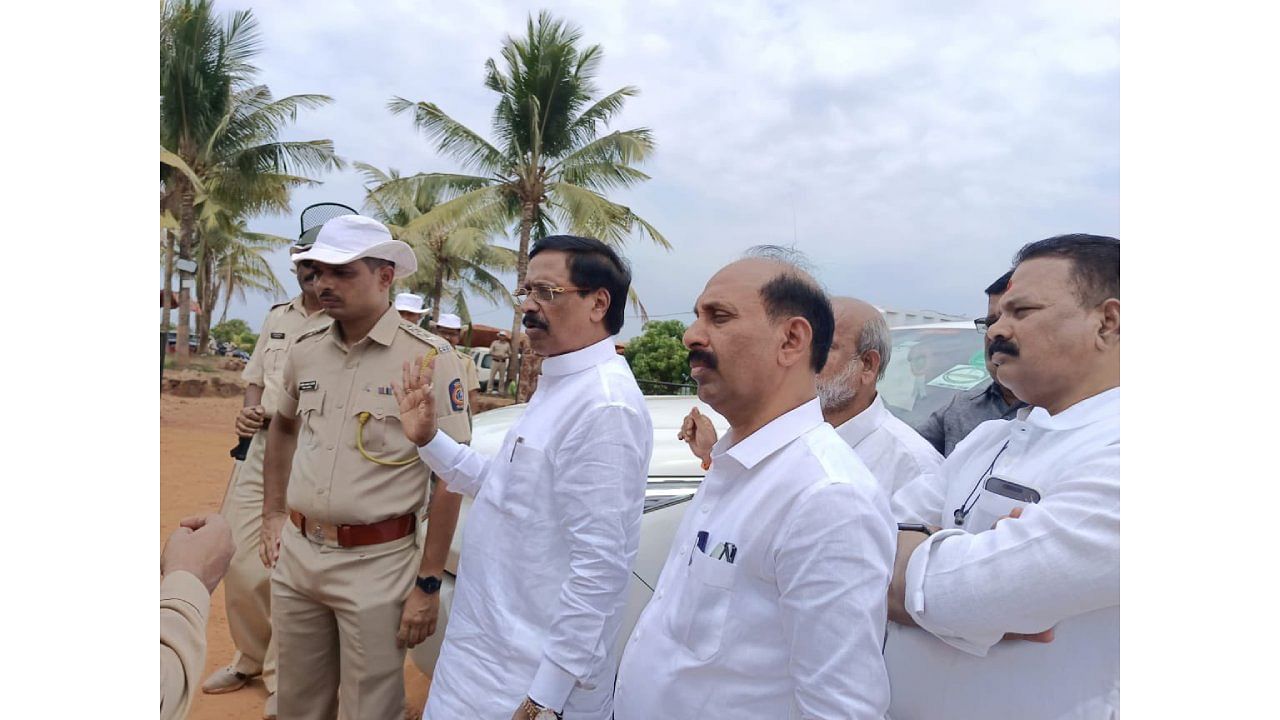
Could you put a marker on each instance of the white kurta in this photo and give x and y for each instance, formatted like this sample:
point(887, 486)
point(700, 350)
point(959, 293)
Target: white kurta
point(893, 452)
point(548, 545)
point(793, 627)
point(1056, 566)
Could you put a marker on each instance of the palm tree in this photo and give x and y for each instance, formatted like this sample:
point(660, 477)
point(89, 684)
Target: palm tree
point(222, 129)
point(550, 167)
point(454, 260)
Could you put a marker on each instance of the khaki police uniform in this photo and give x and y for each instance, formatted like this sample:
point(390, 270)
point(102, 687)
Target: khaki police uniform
point(184, 614)
point(500, 351)
point(470, 378)
point(336, 610)
point(248, 582)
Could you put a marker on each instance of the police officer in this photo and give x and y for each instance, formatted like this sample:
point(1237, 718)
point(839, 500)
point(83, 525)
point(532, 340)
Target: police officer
point(449, 327)
point(411, 307)
point(500, 351)
point(345, 489)
point(248, 586)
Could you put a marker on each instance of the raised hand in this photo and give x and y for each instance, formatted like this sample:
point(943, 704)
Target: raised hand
point(417, 402)
point(202, 546)
point(698, 431)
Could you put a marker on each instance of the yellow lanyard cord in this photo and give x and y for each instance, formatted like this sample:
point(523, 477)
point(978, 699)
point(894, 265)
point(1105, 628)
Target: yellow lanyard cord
point(364, 418)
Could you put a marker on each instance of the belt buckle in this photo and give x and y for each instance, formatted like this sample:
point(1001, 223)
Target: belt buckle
point(317, 533)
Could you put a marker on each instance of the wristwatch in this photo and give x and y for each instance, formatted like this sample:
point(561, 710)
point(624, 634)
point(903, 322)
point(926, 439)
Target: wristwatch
point(429, 584)
point(538, 712)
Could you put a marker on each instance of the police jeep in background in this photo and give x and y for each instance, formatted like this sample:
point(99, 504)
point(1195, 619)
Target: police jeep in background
point(929, 364)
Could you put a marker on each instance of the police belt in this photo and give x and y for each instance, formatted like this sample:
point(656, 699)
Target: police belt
point(355, 535)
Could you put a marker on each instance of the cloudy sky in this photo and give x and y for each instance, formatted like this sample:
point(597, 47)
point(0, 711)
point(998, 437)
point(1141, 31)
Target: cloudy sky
point(907, 148)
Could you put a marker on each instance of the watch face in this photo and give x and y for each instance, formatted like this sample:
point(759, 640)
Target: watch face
point(545, 714)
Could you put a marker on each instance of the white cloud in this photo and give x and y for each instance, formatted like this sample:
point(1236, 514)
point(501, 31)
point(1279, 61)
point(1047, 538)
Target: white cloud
point(911, 147)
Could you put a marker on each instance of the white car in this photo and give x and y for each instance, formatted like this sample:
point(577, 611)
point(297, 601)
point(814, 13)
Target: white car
point(928, 365)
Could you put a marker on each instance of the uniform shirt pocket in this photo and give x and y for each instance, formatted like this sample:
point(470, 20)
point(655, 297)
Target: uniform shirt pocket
point(311, 410)
point(273, 356)
point(703, 606)
point(381, 431)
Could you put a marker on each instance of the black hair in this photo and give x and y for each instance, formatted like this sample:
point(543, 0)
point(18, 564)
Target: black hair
point(374, 263)
point(791, 293)
point(1095, 261)
point(593, 265)
point(1000, 285)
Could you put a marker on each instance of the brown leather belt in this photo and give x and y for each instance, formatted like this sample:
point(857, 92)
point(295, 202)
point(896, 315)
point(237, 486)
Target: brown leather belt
point(355, 535)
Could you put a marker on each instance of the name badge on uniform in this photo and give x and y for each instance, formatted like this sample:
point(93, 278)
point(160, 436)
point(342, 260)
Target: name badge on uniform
point(457, 396)
point(277, 336)
point(307, 385)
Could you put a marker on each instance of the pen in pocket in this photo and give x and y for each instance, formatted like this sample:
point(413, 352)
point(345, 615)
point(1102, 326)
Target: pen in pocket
point(514, 445)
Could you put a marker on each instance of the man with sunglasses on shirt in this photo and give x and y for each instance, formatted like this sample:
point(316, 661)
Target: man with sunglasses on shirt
point(553, 532)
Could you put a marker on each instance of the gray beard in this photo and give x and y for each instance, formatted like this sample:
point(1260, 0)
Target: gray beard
point(836, 393)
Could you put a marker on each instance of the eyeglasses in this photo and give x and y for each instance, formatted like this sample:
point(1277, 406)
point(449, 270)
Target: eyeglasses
point(984, 324)
point(542, 293)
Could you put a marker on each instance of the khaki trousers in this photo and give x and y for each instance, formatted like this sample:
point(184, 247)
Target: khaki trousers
point(248, 582)
point(498, 377)
point(336, 612)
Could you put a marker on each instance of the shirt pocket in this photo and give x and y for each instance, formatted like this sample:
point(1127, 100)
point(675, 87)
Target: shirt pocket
point(381, 432)
point(522, 484)
point(311, 410)
point(273, 356)
point(702, 609)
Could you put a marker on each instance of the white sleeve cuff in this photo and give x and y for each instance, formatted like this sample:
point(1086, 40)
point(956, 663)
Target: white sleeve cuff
point(917, 571)
point(441, 453)
point(551, 686)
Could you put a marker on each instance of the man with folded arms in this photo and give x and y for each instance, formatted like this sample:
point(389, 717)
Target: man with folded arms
point(351, 588)
point(1022, 620)
point(550, 540)
point(771, 602)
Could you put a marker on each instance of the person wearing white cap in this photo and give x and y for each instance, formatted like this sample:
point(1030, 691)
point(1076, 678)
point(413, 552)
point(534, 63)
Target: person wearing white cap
point(411, 307)
point(344, 488)
point(500, 351)
point(449, 327)
point(248, 585)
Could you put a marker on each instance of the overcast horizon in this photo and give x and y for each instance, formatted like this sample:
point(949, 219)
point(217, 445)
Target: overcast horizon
point(908, 149)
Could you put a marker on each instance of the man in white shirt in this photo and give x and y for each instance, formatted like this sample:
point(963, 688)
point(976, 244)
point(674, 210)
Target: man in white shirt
point(769, 603)
point(966, 599)
point(550, 540)
point(893, 452)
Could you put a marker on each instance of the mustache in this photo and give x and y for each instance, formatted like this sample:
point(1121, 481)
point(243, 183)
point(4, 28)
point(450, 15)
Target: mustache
point(531, 320)
point(1002, 345)
point(703, 357)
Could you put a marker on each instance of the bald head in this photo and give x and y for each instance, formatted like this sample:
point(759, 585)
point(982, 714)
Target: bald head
point(859, 354)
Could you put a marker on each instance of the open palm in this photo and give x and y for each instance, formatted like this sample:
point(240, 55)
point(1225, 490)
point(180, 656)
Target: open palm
point(417, 403)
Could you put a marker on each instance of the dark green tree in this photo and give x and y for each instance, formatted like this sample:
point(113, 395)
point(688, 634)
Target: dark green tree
point(659, 355)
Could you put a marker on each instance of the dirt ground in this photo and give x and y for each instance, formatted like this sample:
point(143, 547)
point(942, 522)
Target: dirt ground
point(195, 437)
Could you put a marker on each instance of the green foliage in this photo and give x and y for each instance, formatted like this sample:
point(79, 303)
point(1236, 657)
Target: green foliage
point(660, 355)
point(237, 331)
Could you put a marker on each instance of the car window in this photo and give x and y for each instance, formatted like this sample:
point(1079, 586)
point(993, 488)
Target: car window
point(928, 367)
point(487, 361)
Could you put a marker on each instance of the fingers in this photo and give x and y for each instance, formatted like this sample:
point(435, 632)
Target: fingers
point(431, 628)
point(402, 635)
point(194, 522)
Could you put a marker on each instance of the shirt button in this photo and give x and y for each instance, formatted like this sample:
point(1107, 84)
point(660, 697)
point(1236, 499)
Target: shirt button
point(320, 491)
point(330, 447)
point(705, 509)
point(339, 406)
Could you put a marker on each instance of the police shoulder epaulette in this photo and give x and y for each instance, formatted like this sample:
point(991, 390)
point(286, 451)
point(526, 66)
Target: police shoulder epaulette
point(424, 335)
point(314, 332)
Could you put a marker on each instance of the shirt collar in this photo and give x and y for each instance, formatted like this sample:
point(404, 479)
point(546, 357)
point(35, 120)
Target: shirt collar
point(579, 360)
point(773, 436)
point(296, 304)
point(382, 332)
point(857, 428)
point(1090, 410)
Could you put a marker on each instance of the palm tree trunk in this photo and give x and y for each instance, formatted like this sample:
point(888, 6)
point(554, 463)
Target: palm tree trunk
point(437, 289)
point(208, 293)
point(525, 367)
point(170, 252)
point(187, 228)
